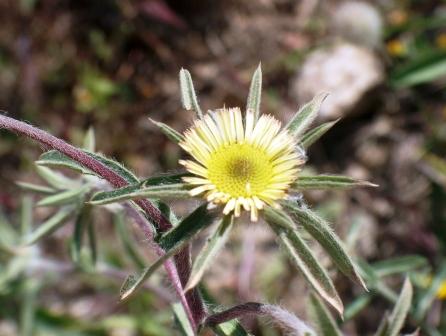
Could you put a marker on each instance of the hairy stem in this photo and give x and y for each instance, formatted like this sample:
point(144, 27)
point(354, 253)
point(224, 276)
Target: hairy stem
point(194, 309)
point(290, 323)
point(234, 313)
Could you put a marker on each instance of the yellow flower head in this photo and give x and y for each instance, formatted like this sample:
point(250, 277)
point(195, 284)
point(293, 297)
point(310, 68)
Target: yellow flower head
point(243, 164)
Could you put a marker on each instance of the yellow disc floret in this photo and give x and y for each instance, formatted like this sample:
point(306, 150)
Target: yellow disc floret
point(241, 164)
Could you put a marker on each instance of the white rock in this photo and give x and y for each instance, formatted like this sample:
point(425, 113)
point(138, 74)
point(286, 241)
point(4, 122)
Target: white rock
point(346, 71)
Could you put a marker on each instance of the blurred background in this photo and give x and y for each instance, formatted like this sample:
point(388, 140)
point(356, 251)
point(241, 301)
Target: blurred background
point(66, 66)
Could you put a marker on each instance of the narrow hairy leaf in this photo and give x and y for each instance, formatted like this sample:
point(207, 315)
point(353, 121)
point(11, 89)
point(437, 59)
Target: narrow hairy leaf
point(181, 320)
point(255, 93)
point(26, 215)
point(64, 197)
point(230, 328)
point(82, 221)
point(207, 255)
point(328, 182)
point(168, 131)
point(133, 192)
point(49, 226)
point(164, 179)
point(188, 95)
point(36, 188)
point(383, 325)
point(57, 159)
point(399, 265)
point(28, 302)
point(117, 167)
point(127, 241)
point(188, 227)
point(321, 316)
point(305, 260)
point(401, 309)
point(323, 233)
point(54, 158)
point(306, 115)
point(55, 179)
point(316, 133)
point(132, 283)
point(89, 140)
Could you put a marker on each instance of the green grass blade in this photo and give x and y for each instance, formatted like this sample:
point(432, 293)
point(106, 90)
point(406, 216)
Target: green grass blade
point(321, 316)
point(323, 233)
point(255, 93)
point(213, 245)
point(426, 300)
point(306, 115)
point(397, 265)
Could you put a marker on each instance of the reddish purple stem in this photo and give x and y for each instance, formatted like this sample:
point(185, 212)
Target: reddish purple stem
point(194, 309)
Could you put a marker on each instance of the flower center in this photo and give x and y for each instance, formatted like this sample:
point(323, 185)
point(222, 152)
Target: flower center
point(240, 169)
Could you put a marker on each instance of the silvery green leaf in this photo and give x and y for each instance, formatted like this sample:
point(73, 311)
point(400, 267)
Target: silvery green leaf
point(28, 304)
point(295, 246)
point(89, 140)
point(117, 167)
point(255, 93)
point(49, 226)
point(328, 182)
point(323, 233)
point(181, 320)
point(172, 134)
point(81, 227)
point(132, 192)
point(54, 158)
point(26, 215)
point(188, 95)
point(230, 328)
point(36, 188)
point(208, 253)
point(316, 133)
point(188, 227)
point(401, 309)
point(55, 179)
point(306, 115)
point(64, 197)
point(132, 283)
point(322, 318)
point(164, 179)
point(396, 265)
point(128, 243)
point(426, 300)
